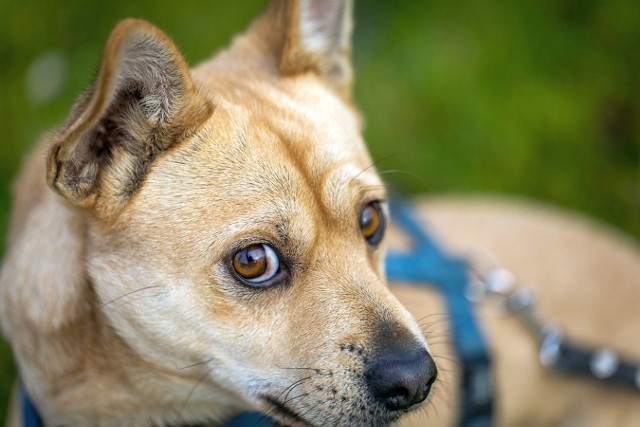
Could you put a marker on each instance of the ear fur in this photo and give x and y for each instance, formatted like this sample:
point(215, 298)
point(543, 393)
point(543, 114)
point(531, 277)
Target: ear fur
point(316, 37)
point(141, 103)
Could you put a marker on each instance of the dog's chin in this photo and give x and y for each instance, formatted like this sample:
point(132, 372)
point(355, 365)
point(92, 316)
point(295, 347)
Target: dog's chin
point(286, 415)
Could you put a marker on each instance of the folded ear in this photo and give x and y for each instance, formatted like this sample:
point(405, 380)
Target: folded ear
point(317, 37)
point(141, 103)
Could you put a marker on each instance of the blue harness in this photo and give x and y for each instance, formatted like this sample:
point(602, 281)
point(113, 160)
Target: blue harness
point(427, 264)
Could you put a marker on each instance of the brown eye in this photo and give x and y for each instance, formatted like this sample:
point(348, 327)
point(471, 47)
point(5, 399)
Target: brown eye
point(372, 223)
point(256, 264)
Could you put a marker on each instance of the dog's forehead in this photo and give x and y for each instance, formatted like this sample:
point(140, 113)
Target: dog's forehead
point(321, 137)
point(292, 136)
point(265, 157)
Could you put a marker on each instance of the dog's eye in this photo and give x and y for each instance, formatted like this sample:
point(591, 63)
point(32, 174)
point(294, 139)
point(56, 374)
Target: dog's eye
point(256, 264)
point(372, 223)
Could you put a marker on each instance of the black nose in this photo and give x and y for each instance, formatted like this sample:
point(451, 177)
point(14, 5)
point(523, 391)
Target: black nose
point(400, 379)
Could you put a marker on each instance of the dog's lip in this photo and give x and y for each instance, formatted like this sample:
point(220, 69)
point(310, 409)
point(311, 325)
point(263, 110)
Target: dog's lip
point(283, 410)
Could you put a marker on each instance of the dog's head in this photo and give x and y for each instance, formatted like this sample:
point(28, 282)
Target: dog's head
point(235, 221)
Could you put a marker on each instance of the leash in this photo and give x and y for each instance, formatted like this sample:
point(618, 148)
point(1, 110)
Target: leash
point(555, 351)
point(428, 264)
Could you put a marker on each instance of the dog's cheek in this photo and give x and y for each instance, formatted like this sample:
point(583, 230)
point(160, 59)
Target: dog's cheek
point(151, 306)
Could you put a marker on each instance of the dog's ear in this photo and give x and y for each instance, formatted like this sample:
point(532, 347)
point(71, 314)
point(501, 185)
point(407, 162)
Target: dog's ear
point(314, 35)
point(142, 101)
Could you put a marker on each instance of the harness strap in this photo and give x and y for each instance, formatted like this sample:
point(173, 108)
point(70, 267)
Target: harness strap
point(30, 415)
point(250, 419)
point(429, 264)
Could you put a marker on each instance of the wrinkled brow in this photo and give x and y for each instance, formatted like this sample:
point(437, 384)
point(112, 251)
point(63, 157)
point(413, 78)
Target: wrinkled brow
point(349, 185)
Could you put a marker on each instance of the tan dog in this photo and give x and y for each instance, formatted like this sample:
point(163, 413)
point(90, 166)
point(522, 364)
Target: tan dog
point(215, 242)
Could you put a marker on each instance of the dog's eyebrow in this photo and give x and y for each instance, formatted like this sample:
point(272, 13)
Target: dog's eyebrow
point(354, 181)
point(282, 228)
point(279, 224)
point(350, 177)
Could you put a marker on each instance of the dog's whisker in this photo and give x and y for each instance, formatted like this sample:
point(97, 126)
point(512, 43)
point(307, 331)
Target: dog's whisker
point(433, 327)
point(433, 322)
point(193, 389)
point(293, 386)
point(287, 390)
point(435, 410)
point(445, 358)
point(441, 341)
point(428, 316)
point(441, 397)
point(375, 162)
point(447, 371)
point(204, 362)
point(452, 374)
point(438, 340)
point(418, 177)
point(300, 396)
point(426, 326)
point(429, 410)
point(430, 324)
point(127, 294)
point(425, 411)
point(434, 334)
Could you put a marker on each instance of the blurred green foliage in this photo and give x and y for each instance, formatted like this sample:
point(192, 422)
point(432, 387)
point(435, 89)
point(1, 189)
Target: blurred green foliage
point(532, 98)
point(536, 98)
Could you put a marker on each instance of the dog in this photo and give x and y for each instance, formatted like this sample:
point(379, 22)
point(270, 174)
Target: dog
point(192, 244)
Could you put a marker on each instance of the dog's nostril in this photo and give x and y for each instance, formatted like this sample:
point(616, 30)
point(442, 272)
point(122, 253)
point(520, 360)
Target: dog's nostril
point(398, 398)
point(400, 380)
point(426, 389)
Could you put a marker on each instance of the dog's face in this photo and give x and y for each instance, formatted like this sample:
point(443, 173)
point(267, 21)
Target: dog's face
point(236, 223)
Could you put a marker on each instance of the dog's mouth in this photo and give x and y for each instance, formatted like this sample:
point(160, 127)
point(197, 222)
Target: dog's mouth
point(279, 409)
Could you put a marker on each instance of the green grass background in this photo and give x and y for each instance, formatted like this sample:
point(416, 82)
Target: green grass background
point(536, 98)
